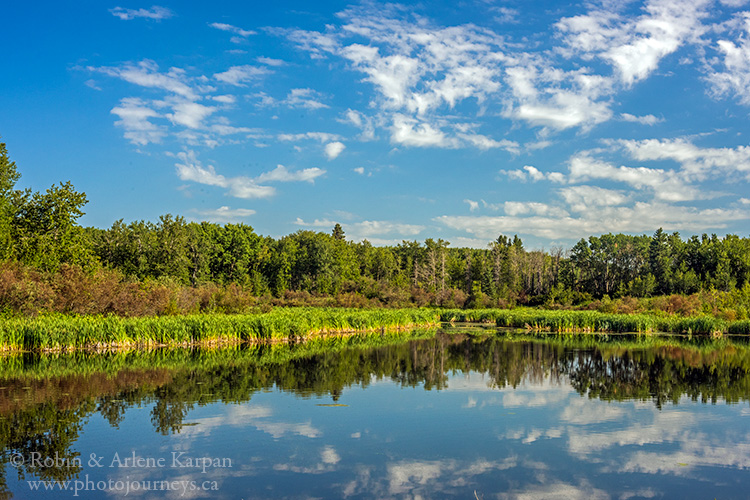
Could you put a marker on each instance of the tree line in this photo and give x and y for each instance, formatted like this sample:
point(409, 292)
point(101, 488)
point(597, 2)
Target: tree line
point(41, 231)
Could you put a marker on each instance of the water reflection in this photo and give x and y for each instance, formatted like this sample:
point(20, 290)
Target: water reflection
point(452, 414)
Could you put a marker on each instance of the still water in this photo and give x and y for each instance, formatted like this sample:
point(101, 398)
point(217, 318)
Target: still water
point(462, 413)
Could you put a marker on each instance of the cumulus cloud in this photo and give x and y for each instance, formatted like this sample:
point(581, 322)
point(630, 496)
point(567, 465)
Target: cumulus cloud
point(635, 46)
point(583, 198)
point(641, 217)
point(696, 163)
point(534, 174)
point(189, 114)
point(734, 77)
point(156, 13)
point(334, 149)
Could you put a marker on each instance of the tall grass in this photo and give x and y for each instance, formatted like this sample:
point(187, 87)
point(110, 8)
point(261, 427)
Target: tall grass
point(43, 366)
point(592, 321)
point(60, 332)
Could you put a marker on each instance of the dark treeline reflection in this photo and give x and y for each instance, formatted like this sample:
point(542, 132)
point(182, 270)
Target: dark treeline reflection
point(45, 415)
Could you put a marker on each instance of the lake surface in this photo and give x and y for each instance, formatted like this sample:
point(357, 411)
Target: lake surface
point(464, 413)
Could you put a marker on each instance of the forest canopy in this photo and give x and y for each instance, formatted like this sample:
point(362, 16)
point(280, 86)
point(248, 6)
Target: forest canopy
point(42, 245)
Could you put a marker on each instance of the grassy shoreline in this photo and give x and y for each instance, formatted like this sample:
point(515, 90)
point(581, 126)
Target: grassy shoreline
point(60, 333)
point(593, 321)
point(53, 333)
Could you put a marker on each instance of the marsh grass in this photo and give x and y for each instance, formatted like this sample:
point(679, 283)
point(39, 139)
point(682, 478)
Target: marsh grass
point(61, 332)
point(565, 321)
point(43, 366)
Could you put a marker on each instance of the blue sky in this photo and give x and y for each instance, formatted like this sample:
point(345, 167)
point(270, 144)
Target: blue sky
point(454, 120)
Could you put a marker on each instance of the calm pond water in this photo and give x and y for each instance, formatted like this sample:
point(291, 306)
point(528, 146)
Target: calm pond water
point(463, 413)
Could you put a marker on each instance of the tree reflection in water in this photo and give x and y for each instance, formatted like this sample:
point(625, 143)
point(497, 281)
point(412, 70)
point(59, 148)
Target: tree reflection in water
point(45, 414)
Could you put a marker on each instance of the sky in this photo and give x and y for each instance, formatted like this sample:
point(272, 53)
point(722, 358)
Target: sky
point(457, 120)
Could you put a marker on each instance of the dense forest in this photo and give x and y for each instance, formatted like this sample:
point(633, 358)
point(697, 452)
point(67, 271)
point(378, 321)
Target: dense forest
point(50, 262)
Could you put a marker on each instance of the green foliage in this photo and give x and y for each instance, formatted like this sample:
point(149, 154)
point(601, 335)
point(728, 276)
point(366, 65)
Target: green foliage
point(41, 231)
point(59, 332)
point(594, 321)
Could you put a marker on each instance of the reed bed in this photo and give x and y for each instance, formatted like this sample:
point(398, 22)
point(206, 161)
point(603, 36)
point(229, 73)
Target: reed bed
point(59, 332)
point(593, 321)
point(42, 366)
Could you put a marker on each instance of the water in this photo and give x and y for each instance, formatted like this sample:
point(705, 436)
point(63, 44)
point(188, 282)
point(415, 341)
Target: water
point(459, 415)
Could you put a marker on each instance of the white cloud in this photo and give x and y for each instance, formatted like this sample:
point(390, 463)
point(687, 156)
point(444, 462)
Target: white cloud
point(735, 77)
point(667, 185)
point(224, 215)
point(190, 169)
point(359, 170)
point(635, 46)
point(156, 13)
point(697, 163)
point(268, 61)
point(485, 143)
point(225, 99)
point(533, 173)
point(641, 217)
point(514, 208)
point(556, 490)
point(92, 84)
point(366, 229)
point(334, 149)
point(409, 132)
point(315, 136)
point(134, 117)
point(146, 74)
point(232, 29)
point(190, 114)
point(317, 223)
point(241, 75)
point(583, 198)
point(361, 121)
point(304, 98)
point(643, 120)
point(282, 174)
point(473, 205)
point(374, 227)
point(329, 456)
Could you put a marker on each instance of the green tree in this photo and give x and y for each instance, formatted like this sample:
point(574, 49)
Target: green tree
point(338, 232)
point(45, 230)
point(8, 178)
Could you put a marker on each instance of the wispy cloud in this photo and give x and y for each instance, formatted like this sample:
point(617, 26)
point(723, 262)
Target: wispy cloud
point(190, 169)
point(135, 117)
point(224, 215)
point(240, 35)
point(146, 74)
point(643, 120)
point(241, 75)
point(282, 174)
point(156, 13)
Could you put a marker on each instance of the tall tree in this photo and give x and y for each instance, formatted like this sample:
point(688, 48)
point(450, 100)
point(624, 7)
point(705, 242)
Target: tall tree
point(8, 178)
